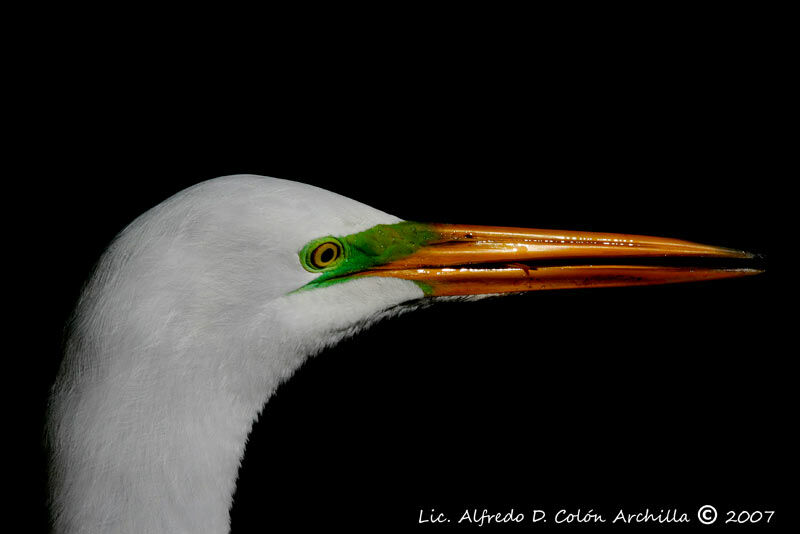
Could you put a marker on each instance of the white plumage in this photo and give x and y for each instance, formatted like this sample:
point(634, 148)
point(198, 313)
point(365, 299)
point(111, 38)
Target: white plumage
point(193, 318)
point(184, 331)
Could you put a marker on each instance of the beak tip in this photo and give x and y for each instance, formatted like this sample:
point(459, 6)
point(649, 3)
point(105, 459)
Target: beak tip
point(747, 271)
point(737, 253)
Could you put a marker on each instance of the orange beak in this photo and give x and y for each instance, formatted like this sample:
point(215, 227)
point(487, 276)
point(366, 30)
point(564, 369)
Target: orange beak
point(473, 260)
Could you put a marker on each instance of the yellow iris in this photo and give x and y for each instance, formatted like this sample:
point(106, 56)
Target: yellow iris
point(325, 254)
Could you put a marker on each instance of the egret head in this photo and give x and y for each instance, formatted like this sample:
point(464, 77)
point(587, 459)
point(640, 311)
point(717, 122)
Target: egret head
point(204, 304)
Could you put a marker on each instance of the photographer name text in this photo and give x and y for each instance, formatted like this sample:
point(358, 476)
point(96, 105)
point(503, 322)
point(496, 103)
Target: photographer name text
point(483, 517)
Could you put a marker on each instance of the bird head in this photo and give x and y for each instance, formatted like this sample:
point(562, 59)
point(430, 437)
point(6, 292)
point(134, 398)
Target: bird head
point(203, 305)
point(230, 254)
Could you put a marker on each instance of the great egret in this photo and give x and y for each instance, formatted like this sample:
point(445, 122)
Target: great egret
point(203, 305)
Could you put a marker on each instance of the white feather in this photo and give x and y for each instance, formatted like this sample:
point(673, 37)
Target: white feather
point(184, 331)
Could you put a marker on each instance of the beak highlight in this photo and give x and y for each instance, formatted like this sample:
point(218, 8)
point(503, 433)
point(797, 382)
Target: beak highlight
point(472, 260)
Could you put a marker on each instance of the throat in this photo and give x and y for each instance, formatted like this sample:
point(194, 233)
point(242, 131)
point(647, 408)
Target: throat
point(171, 471)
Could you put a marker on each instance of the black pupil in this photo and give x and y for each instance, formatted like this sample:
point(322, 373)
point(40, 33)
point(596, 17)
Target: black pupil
point(327, 255)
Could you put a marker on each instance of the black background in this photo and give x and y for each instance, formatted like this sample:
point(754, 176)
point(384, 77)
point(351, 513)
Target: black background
point(663, 124)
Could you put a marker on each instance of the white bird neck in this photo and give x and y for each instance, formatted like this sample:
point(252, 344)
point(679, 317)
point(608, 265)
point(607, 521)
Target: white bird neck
point(164, 462)
point(149, 425)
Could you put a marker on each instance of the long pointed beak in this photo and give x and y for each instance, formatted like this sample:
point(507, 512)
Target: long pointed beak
point(471, 260)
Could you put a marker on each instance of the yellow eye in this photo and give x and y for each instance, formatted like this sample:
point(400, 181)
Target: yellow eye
point(325, 254)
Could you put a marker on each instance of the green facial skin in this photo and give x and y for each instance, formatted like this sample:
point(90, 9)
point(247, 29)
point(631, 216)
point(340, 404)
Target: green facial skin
point(379, 245)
